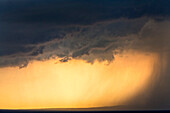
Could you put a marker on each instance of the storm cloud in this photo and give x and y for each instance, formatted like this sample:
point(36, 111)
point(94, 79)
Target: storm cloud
point(99, 41)
point(38, 30)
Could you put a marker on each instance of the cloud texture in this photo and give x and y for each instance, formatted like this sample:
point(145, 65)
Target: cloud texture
point(99, 41)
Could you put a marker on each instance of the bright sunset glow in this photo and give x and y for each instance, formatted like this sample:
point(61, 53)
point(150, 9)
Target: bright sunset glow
point(75, 84)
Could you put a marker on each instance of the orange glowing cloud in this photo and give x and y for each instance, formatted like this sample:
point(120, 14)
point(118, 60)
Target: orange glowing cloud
point(76, 84)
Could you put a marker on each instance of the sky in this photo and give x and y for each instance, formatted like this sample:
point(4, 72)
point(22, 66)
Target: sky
point(105, 52)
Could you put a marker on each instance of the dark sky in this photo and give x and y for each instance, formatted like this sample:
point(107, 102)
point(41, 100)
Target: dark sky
point(26, 22)
point(40, 29)
point(64, 12)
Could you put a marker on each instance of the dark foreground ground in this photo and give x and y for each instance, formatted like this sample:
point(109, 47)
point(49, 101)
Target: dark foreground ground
point(101, 109)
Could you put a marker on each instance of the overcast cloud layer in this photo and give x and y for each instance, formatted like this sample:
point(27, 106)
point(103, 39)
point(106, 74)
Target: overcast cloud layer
point(37, 30)
point(98, 41)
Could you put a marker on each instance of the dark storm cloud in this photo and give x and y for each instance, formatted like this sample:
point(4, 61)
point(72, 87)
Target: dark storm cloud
point(98, 41)
point(76, 41)
point(64, 12)
point(41, 29)
point(30, 22)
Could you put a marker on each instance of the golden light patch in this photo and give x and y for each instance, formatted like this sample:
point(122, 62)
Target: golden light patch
point(75, 84)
